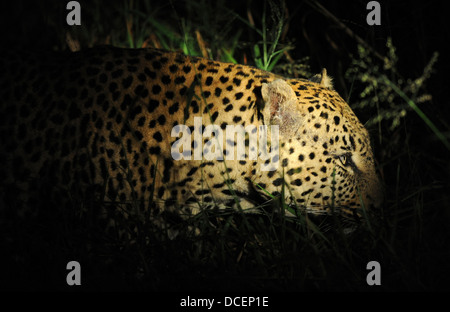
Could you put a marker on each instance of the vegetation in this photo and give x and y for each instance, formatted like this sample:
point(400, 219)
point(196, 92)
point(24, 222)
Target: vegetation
point(228, 250)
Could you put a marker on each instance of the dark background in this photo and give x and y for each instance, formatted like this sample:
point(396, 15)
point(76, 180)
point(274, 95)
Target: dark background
point(417, 28)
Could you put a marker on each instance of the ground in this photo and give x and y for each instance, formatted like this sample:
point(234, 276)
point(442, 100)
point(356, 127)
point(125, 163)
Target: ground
point(411, 238)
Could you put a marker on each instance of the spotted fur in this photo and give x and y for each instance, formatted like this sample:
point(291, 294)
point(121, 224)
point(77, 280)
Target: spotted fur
point(97, 124)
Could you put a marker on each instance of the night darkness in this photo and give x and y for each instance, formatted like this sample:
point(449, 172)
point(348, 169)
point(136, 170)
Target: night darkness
point(412, 161)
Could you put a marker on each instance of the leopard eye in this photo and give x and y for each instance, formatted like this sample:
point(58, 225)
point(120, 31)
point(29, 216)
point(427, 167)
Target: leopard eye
point(344, 159)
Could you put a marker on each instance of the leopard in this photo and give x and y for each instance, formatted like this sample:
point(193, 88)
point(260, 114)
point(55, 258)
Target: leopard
point(146, 128)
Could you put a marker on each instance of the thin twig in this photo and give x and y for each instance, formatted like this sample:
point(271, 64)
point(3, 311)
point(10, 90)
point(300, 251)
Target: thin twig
point(321, 9)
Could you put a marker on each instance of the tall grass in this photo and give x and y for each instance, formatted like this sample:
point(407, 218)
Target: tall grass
point(232, 250)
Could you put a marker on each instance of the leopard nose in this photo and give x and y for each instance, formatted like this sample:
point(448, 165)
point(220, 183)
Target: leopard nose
point(375, 197)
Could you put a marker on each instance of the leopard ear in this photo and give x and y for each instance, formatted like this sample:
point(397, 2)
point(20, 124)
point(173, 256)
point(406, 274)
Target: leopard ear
point(323, 79)
point(280, 107)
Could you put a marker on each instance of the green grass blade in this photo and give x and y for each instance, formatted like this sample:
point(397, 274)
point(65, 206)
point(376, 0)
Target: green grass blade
point(418, 111)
